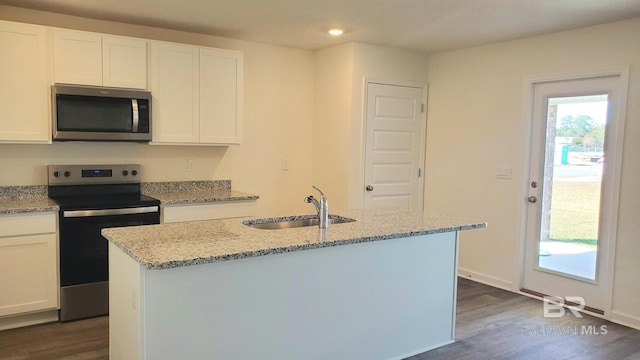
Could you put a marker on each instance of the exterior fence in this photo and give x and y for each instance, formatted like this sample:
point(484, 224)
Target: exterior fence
point(585, 149)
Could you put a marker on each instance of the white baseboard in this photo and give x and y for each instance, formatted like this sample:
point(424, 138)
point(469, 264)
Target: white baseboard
point(12, 322)
point(485, 279)
point(625, 319)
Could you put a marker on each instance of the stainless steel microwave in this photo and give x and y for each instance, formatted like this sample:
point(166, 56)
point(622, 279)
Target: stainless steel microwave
point(95, 113)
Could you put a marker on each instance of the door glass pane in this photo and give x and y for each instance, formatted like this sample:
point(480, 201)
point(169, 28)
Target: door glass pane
point(574, 159)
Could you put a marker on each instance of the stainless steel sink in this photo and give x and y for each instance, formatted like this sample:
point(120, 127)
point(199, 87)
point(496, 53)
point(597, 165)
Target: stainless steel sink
point(293, 222)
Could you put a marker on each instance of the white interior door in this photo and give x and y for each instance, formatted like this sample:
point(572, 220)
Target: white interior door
point(573, 188)
point(394, 146)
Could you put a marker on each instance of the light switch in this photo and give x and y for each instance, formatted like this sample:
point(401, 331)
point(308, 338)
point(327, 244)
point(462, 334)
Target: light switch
point(285, 164)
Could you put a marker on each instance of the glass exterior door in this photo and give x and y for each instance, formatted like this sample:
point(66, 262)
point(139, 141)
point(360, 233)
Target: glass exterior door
point(571, 193)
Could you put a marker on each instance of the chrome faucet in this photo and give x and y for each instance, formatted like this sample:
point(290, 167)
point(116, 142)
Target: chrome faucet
point(322, 207)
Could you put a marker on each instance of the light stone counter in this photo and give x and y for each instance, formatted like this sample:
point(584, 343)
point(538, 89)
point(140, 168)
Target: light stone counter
point(25, 199)
point(182, 244)
point(30, 199)
point(382, 287)
point(194, 192)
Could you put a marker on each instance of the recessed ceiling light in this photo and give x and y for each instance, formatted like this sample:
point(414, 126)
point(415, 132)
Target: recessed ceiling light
point(336, 32)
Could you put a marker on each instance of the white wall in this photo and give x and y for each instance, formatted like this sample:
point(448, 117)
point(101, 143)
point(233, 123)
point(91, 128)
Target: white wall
point(378, 63)
point(278, 114)
point(476, 123)
point(332, 123)
point(339, 123)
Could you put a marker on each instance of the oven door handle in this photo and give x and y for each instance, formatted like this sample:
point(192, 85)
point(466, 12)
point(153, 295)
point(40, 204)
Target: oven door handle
point(109, 212)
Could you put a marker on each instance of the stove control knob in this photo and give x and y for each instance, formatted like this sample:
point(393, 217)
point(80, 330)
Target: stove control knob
point(125, 173)
point(56, 173)
point(67, 174)
point(134, 172)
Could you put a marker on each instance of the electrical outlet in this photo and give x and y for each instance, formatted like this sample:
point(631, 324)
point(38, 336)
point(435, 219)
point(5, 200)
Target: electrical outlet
point(190, 165)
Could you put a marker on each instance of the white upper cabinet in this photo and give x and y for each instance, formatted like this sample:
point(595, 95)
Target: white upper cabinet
point(101, 60)
point(77, 57)
point(220, 96)
point(197, 95)
point(24, 84)
point(174, 85)
point(124, 62)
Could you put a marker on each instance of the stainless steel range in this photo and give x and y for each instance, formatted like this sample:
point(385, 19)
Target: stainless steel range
point(93, 197)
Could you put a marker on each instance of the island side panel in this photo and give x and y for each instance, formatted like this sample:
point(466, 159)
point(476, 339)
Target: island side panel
point(377, 300)
point(125, 314)
point(454, 298)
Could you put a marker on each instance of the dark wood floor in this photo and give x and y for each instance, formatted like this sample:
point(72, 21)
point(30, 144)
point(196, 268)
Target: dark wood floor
point(77, 340)
point(491, 324)
point(497, 324)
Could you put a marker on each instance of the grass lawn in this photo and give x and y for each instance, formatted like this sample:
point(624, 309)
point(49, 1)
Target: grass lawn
point(574, 212)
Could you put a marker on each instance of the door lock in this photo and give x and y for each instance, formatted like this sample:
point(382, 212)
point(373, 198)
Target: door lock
point(532, 199)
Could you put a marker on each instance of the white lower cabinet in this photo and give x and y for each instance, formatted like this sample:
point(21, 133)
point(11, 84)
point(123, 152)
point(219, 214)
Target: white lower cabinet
point(28, 263)
point(197, 212)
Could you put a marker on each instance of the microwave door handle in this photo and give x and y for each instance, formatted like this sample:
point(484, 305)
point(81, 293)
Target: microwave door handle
point(136, 115)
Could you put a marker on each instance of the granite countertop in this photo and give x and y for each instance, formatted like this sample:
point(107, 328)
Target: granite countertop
point(191, 243)
point(33, 198)
point(25, 199)
point(194, 192)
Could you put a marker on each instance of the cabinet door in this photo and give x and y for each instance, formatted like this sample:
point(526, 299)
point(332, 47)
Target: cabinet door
point(77, 57)
point(175, 88)
point(124, 62)
point(24, 99)
point(28, 258)
point(220, 96)
point(28, 276)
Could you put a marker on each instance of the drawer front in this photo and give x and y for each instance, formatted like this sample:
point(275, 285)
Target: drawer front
point(26, 224)
point(196, 212)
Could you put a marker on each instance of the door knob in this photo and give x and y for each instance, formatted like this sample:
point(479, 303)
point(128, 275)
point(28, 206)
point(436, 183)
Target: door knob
point(369, 188)
point(532, 199)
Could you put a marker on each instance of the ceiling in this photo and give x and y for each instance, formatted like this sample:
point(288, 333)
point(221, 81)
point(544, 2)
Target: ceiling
point(422, 25)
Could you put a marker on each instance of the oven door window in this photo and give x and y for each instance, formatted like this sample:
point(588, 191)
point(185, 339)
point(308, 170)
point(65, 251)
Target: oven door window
point(84, 256)
point(94, 113)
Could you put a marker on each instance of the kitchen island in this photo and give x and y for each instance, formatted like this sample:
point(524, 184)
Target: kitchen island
point(381, 287)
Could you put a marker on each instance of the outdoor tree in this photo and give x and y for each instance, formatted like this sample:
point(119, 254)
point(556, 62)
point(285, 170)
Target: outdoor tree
point(583, 129)
point(595, 137)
